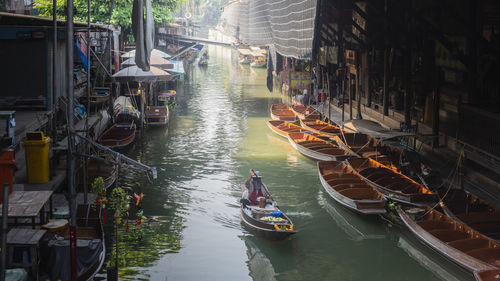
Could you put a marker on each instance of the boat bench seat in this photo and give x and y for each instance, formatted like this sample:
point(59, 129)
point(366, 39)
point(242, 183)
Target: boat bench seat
point(448, 235)
point(351, 181)
point(307, 143)
point(335, 175)
point(433, 224)
point(343, 186)
point(359, 193)
point(318, 146)
point(488, 255)
point(466, 245)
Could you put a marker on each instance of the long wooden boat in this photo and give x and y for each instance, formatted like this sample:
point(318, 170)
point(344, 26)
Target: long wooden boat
point(118, 136)
point(454, 240)
point(363, 146)
point(89, 227)
point(467, 208)
point(320, 127)
point(283, 128)
point(349, 190)
point(91, 252)
point(282, 112)
point(487, 275)
point(108, 172)
point(316, 148)
point(393, 185)
point(157, 115)
point(257, 221)
point(305, 112)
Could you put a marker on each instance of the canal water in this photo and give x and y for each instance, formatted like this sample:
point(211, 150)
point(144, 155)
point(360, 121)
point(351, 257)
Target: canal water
point(217, 133)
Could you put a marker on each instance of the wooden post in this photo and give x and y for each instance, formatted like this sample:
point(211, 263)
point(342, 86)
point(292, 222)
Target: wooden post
point(349, 80)
point(368, 92)
point(386, 82)
point(407, 89)
point(5, 208)
point(358, 93)
point(435, 108)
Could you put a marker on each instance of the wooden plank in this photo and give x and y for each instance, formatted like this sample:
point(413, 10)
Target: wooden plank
point(24, 204)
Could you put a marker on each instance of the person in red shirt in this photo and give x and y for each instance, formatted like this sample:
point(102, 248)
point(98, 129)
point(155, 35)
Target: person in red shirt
point(254, 188)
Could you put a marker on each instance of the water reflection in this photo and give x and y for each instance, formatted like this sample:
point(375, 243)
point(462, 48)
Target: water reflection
point(355, 226)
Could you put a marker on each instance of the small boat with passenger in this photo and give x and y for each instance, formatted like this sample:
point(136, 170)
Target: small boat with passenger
point(259, 211)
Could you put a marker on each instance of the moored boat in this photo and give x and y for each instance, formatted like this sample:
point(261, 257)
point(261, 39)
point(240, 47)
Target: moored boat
point(349, 190)
point(124, 110)
point(454, 240)
point(320, 127)
point(282, 112)
point(316, 148)
point(118, 136)
point(363, 146)
point(467, 208)
point(157, 115)
point(305, 112)
point(283, 128)
point(91, 251)
point(167, 98)
point(96, 168)
point(394, 185)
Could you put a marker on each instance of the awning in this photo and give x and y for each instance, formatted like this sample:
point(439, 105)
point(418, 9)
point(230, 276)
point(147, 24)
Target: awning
point(154, 52)
point(135, 74)
point(153, 61)
point(373, 129)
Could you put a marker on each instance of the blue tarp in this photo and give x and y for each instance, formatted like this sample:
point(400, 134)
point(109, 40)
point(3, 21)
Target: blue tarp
point(178, 67)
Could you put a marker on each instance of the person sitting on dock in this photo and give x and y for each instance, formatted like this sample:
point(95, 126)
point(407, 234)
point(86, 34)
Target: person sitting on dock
point(254, 188)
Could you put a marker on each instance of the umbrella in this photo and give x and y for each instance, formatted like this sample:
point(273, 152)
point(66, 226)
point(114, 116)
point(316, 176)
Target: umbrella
point(153, 61)
point(135, 74)
point(154, 52)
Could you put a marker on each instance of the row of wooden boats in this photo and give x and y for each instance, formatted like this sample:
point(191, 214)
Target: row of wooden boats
point(361, 174)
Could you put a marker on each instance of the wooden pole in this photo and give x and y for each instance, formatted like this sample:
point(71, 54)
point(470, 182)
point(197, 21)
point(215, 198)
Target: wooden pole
point(386, 82)
point(349, 88)
point(358, 94)
point(5, 219)
point(435, 108)
point(368, 92)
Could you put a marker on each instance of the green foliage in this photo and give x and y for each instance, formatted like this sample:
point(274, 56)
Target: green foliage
point(100, 10)
point(98, 190)
point(118, 201)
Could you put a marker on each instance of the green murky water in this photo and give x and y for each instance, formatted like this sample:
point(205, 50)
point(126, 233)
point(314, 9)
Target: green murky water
point(217, 133)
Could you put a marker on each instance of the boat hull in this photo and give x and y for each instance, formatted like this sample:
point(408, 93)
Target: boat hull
point(350, 204)
point(263, 229)
point(115, 138)
point(467, 262)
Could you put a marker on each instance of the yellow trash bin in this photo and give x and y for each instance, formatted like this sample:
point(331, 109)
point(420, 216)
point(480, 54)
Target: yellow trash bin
point(36, 148)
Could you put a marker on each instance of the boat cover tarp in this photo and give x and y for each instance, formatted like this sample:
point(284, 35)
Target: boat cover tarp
point(59, 260)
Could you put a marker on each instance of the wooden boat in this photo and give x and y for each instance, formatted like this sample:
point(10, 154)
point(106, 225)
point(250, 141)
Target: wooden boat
point(393, 185)
point(305, 112)
point(124, 110)
point(316, 148)
point(118, 136)
point(91, 252)
point(487, 275)
point(97, 96)
point(472, 211)
point(283, 128)
point(349, 190)
point(157, 115)
point(89, 227)
point(282, 112)
point(454, 240)
point(167, 98)
point(363, 146)
point(254, 217)
point(320, 127)
point(259, 61)
point(96, 168)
